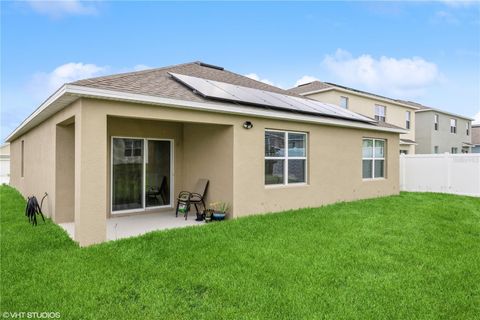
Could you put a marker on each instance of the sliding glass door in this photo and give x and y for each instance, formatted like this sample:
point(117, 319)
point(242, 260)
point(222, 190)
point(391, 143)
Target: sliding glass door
point(141, 174)
point(157, 180)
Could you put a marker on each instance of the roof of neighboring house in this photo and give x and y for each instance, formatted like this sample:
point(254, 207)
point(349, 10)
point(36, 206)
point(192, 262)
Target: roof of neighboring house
point(157, 86)
point(424, 108)
point(319, 86)
point(407, 141)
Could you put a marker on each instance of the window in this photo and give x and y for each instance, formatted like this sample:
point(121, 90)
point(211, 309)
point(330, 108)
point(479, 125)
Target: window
point(407, 119)
point(22, 169)
point(344, 102)
point(453, 125)
point(373, 159)
point(454, 150)
point(405, 152)
point(436, 121)
point(435, 149)
point(285, 157)
point(467, 128)
point(133, 148)
point(380, 113)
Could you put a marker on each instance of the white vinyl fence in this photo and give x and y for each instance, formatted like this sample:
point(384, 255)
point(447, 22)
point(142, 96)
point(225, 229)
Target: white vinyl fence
point(447, 173)
point(4, 170)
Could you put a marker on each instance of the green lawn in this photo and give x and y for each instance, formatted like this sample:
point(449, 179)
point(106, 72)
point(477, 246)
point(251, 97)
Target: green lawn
point(412, 256)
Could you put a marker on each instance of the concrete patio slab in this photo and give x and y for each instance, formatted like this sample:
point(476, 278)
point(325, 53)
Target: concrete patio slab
point(138, 224)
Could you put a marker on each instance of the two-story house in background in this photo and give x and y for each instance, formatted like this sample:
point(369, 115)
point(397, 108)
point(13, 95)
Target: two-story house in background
point(438, 131)
point(475, 138)
point(387, 110)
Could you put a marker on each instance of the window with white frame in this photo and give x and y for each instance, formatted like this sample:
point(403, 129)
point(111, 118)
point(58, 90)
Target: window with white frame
point(373, 158)
point(453, 125)
point(380, 113)
point(407, 119)
point(454, 150)
point(467, 128)
point(436, 122)
point(285, 157)
point(435, 149)
point(133, 148)
point(344, 102)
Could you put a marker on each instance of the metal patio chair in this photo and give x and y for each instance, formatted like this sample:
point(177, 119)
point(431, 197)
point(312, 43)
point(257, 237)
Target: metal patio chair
point(186, 198)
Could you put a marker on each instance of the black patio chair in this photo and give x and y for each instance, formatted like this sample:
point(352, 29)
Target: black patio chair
point(186, 198)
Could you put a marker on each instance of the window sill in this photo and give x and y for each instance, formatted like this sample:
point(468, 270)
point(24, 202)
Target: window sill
point(285, 186)
point(373, 179)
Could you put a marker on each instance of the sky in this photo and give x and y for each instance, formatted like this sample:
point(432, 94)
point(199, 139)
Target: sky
point(428, 52)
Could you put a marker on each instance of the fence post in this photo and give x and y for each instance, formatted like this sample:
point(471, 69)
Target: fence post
point(402, 172)
point(448, 171)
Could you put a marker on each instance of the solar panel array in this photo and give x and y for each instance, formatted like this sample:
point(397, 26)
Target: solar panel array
point(230, 92)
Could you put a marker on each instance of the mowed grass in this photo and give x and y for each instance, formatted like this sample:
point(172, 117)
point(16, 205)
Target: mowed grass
point(412, 256)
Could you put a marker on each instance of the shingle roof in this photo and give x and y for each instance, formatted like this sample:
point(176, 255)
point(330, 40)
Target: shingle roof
point(157, 82)
point(311, 86)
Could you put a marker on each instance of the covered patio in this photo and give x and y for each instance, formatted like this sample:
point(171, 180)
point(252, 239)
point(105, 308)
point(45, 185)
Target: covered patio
point(138, 224)
point(148, 163)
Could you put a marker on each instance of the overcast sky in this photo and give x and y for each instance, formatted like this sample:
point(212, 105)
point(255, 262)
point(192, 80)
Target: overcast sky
point(427, 52)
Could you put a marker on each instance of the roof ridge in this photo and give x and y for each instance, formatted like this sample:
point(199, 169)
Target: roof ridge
point(286, 92)
point(125, 74)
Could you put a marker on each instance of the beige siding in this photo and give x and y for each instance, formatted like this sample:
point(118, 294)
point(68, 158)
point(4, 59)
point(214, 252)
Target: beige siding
point(395, 114)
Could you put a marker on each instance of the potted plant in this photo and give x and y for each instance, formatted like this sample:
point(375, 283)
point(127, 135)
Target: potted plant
point(208, 215)
point(220, 210)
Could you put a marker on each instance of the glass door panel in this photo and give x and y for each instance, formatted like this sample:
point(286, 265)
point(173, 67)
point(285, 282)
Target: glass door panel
point(127, 174)
point(157, 174)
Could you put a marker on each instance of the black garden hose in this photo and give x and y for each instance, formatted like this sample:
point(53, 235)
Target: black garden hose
point(33, 209)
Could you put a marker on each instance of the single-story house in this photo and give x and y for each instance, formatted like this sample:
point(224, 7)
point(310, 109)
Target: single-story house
point(99, 146)
point(5, 163)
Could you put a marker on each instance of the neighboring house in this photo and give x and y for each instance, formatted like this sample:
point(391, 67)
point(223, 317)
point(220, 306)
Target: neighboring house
point(5, 163)
point(384, 109)
point(438, 131)
point(475, 138)
point(98, 146)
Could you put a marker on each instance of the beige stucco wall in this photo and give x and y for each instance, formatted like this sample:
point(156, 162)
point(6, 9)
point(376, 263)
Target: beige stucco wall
point(334, 168)
point(209, 145)
point(39, 159)
point(395, 114)
point(208, 154)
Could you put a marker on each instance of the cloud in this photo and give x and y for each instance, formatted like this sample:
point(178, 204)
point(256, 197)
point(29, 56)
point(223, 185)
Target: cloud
point(403, 78)
point(444, 16)
point(476, 118)
point(459, 3)
point(45, 83)
point(254, 76)
point(57, 9)
point(305, 79)
point(141, 67)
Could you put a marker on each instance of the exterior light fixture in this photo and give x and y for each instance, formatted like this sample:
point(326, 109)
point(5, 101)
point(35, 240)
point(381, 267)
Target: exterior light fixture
point(248, 125)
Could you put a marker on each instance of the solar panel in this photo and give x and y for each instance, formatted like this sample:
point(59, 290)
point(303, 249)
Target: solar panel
point(230, 92)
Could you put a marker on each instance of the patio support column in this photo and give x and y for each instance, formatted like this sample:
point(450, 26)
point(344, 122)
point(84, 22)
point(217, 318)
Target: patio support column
point(90, 175)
